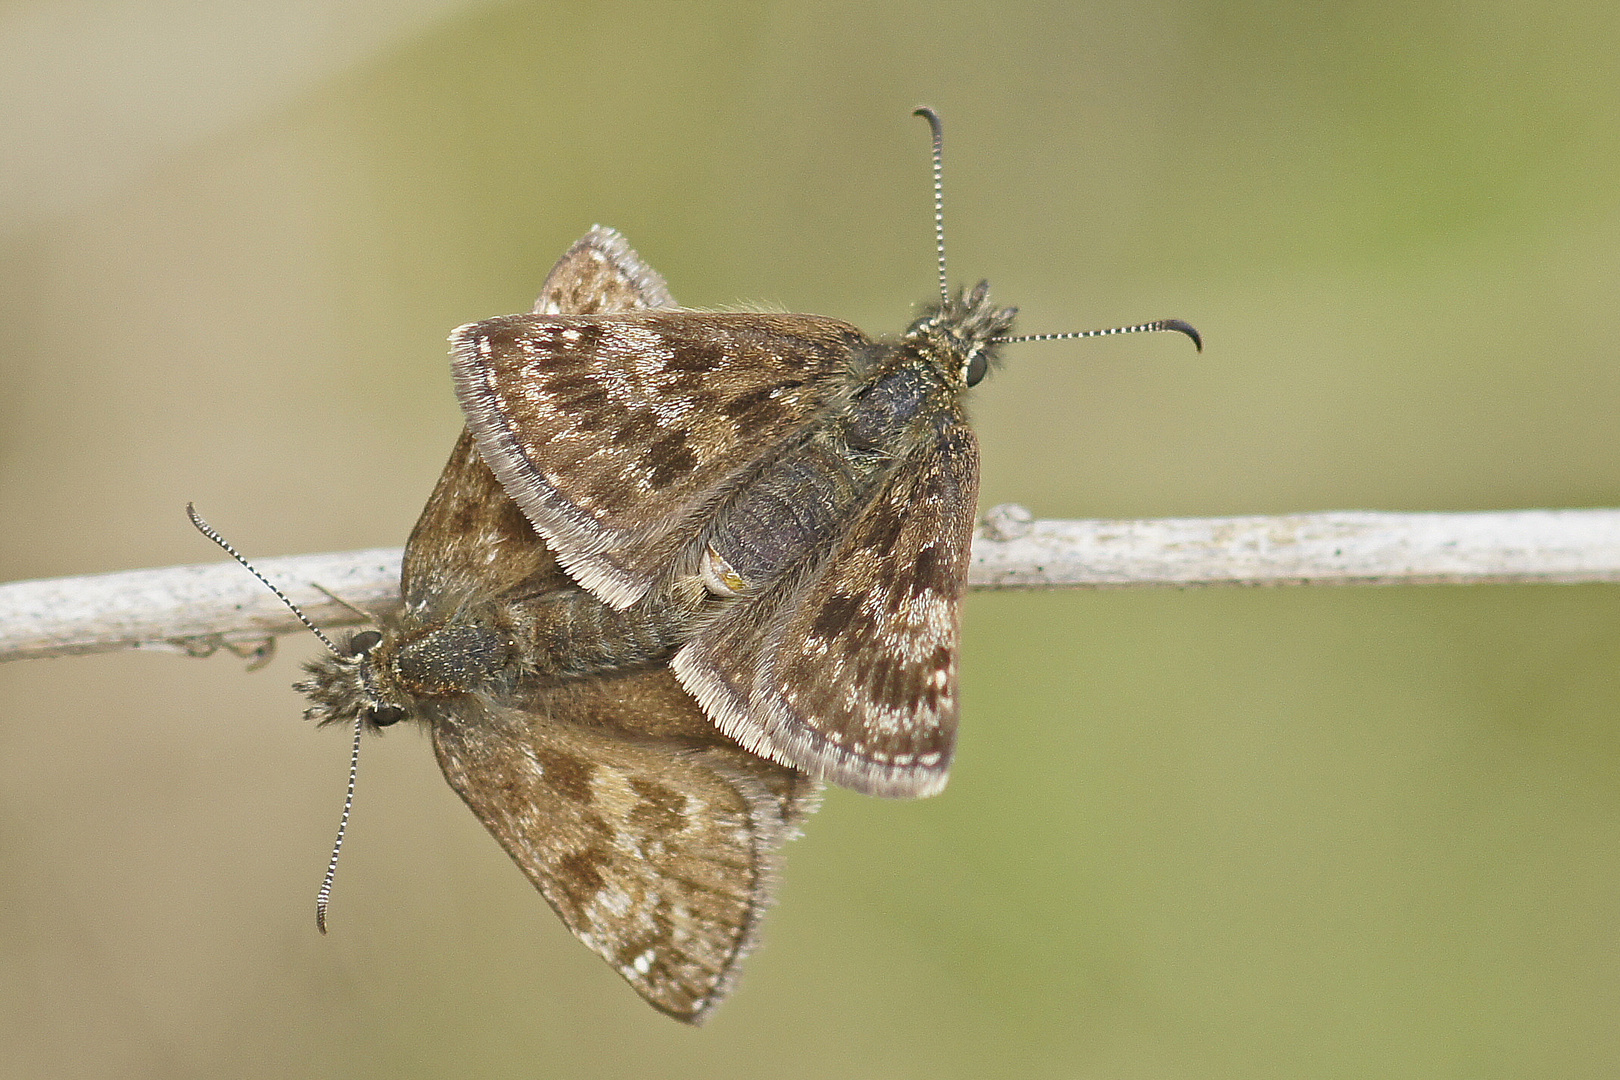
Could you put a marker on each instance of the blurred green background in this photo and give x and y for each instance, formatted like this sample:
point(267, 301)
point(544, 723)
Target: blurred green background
point(1293, 833)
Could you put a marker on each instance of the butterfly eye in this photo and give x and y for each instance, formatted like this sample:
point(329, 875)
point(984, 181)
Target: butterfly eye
point(976, 368)
point(385, 715)
point(363, 642)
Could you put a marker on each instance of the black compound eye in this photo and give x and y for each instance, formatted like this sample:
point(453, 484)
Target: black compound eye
point(385, 715)
point(976, 368)
point(363, 642)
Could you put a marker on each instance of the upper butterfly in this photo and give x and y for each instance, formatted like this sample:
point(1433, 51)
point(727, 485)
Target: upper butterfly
point(820, 485)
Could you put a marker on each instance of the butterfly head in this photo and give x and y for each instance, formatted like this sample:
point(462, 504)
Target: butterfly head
point(962, 334)
point(350, 682)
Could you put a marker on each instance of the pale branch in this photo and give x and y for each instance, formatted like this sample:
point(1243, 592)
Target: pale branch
point(199, 609)
point(1515, 547)
point(190, 609)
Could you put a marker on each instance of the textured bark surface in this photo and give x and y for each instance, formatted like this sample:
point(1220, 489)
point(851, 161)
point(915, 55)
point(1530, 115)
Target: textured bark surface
point(199, 609)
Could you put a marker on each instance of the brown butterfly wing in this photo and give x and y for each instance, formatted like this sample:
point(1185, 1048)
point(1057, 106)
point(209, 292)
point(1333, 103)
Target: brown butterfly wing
point(849, 671)
point(617, 433)
point(471, 539)
point(650, 836)
point(601, 273)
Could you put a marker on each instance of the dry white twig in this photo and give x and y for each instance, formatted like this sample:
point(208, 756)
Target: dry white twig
point(199, 609)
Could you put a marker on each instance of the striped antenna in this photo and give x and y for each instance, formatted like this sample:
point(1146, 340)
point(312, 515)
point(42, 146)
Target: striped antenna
point(1177, 325)
point(324, 897)
point(938, 129)
point(225, 545)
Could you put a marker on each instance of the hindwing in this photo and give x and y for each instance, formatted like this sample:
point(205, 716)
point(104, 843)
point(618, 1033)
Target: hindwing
point(651, 837)
point(601, 273)
point(847, 668)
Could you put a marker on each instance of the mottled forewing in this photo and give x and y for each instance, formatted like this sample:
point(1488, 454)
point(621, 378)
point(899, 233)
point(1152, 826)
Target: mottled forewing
point(601, 274)
point(850, 673)
point(471, 538)
point(656, 852)
point(616, 433)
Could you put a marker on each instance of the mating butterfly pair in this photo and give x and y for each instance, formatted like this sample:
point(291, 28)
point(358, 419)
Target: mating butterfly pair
point(681, 568)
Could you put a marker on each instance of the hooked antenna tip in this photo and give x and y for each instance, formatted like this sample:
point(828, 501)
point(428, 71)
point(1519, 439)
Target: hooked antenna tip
point(927, 113)
point(1181, 327)
point(324, 896)
point(938, 131)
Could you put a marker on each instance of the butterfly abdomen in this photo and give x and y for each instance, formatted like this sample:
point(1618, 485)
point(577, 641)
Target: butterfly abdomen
point(574, 635)
point(796, 507)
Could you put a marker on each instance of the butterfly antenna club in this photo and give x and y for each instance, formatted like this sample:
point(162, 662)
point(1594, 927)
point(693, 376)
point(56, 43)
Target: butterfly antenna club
point(1178, 325)
point(938, 131)
point(324, 897)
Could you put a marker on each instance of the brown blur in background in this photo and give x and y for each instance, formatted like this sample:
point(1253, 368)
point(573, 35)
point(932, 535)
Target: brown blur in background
point(1297, 833)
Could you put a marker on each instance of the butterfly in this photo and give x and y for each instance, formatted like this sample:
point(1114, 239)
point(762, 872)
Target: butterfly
point(554, 717)
point(681, 568)
point(807, 492)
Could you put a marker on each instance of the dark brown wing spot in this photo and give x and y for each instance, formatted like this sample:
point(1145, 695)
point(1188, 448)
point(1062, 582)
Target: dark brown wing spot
point(465, 519)
point(579, 874)
point(748, 402)
point(882, 529)
point(573, 389)
point(929, 573)
point(661, 810)
point(637, 428)
point(692, 358)
point(670, 459)
point(512, 521)
point(594, 398)
point(889, 686)
point(569, 775)
point(835, 616)
point(759, 408)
